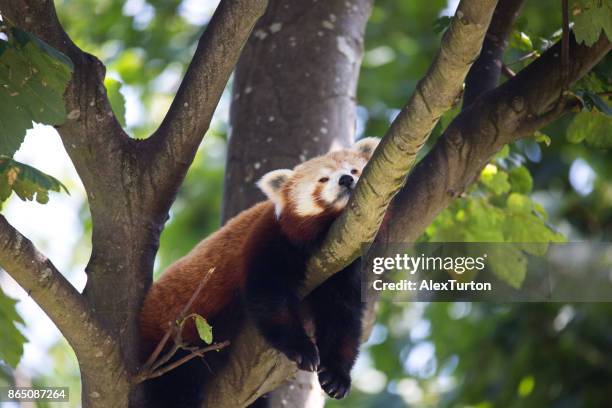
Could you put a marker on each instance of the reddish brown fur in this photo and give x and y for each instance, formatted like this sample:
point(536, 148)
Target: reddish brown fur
point(316, 197)
point(305, 229)
point(223, 251)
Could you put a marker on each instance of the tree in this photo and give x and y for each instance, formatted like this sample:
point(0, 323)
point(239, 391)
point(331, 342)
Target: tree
point(295, 81)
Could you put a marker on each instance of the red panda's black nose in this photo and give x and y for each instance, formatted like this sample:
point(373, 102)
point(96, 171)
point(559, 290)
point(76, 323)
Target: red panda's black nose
point(346, 180)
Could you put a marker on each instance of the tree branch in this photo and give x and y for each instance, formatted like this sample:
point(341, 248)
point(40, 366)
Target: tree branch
point(524, 103)
point(94, 347)
point(565, 44)
point(484, 74)
point(253, 367)
point(174, 144)
point(388, 169)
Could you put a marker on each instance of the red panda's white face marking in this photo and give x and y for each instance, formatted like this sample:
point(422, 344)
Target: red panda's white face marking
point(321, 184)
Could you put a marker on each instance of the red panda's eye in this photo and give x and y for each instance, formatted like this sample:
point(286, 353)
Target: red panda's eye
point(323, 179)
point(354, 171)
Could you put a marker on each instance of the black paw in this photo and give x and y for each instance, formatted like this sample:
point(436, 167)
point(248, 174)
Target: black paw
point(335, 383)
point(306, 357)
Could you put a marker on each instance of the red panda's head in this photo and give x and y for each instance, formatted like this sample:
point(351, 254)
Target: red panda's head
point(319, 186)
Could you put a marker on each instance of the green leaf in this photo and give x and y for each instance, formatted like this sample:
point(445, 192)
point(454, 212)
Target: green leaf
point(130, 65)
point(521, 41)
point(11, 340)
point(495, 179)
point(519, 202)
point(442, 24)
point(592, 128)
point(33, 77)
point(204, 329)
point(593, 101)
point(521, 180)
point(508, 263)
point(542, 138)
point(526, 386)
point(591, 17)
point(116, 99)
point(503, 153)
point(26, 181)
point(521, 23)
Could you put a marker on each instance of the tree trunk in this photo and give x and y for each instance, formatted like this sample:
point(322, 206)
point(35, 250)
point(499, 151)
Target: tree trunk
point(293, 98)
point(294, 91)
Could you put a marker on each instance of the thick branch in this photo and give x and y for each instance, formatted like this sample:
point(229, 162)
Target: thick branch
point(95, 349)
point(524, 103)
point(175, 142)
point(395, 156)
point(254, 368)
point(484, 74)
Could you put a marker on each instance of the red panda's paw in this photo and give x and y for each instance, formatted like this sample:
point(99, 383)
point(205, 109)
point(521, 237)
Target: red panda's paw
point(335, 382)
point(306, 357)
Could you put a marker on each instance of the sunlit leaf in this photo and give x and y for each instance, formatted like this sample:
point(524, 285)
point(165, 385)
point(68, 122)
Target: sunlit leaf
point(542, 138)
point(521, 180)
point(204, 329)
point(116, 99)
point(33, 77)
point(592, 128)
point(11, 340)
point(526, 386)
point(494, 179)
point(26, 181)
point(521, 41)
point(591, 17)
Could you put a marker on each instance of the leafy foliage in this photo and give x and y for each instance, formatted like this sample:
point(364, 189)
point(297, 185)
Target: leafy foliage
point(11, 340)
point(591, 17)
point(592, 101)
point(116, 99)
point(592, 128)
point(522, 348)
point(204, 329)
point(491, 356)
point(498, 209)
point(33, 77)
point(442, 24)
point(27, 182)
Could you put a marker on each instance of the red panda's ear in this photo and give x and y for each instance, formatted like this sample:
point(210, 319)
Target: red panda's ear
point(366, 146)
point(272, 183)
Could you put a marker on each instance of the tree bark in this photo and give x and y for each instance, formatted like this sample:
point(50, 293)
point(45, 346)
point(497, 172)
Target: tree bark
point(484, 74)
point(130, 185)
point(294, 91)
point(120, 174)
point(294, 97)
point(388, 168)
point(523, 104)
point(254, 368)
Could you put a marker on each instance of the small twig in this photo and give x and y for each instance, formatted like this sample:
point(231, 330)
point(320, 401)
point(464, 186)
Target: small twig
point(178, 344)
point(174, 328)
point(565, 44)
point(194, 353)
point(524, 58)
point(507, 72)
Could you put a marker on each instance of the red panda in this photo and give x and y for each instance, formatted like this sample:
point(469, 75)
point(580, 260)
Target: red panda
point(259, 259)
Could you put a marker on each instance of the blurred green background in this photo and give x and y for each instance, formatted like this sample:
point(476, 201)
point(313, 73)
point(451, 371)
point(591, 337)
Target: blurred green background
point(419, 354)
